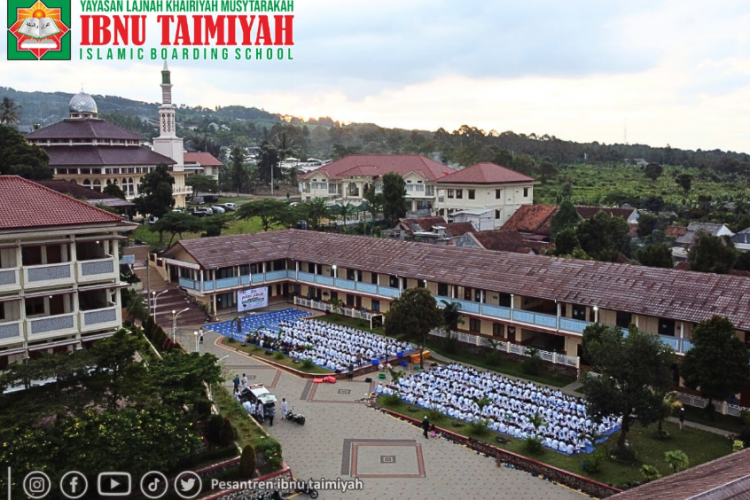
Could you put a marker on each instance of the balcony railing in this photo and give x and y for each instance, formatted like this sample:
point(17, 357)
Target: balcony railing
point(63, 324)
point(275, 275)
point(50, 274)
point(9, 280)
point(99, 319)
point(97, 270)
point(11, 332)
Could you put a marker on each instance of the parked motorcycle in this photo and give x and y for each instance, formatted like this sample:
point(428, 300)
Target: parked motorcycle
point(295, 417)
point(307, 490)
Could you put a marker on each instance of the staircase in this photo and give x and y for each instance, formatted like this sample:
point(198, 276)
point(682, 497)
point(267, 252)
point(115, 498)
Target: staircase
point(169, 298)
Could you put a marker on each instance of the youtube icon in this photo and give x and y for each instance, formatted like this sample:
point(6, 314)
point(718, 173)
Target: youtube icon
point(114, 484)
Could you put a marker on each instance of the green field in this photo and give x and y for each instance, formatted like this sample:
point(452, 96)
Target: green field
point(150, 237)
point(603, 184)
point(700, 447)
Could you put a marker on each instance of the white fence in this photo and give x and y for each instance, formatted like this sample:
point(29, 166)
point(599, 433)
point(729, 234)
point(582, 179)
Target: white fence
point(509, 347)
point(325, 306)
point(721, 406)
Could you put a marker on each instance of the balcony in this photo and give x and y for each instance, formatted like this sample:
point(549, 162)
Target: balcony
point(367, 288)
point(97, 270)
point(276, 275)
point(99, 319)
point(11, 333)
point(48, 275)
point(227, 282)
point(190, 284)
point(50, 326)
point(10, 280)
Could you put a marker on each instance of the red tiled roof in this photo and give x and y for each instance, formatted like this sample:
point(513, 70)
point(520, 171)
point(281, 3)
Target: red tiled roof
point(661, 293)
point(72, 189)
point(62, 156)
point(424, 223)
point(26, 204)
point(675, 231)
point(501, 240)
point(485, 173)
point(90, 128)
point(456, 229)
point(725, 478)
point(203, 159)
point(531, 219)
point(379, 165)
point(589, 212)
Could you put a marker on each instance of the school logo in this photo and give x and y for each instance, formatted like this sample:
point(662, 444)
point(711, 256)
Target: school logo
point(39, 30)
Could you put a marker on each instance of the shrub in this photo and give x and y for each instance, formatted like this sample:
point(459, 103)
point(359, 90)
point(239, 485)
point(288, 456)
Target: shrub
point(307, 363)
point(593, 462)
point(271, 450)
point(624, 455)
point(450, 343)
point(478, 428)
point(649, 472)
point(677, 460)
point(278, 355)
point(248, 463)
point(213, 429)
point(227, 434)
point(393, 399)
point(737, 445)
point(533, 445)
point(532, 365)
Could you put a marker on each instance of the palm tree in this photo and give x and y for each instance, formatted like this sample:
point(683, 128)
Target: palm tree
point(346, 211)
point(669, 405)
point(451, 320)
point(9, 111)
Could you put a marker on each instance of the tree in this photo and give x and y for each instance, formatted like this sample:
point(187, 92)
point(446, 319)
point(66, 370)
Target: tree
point(712, 254)
point(178, 223)
point(566, 243)
point(647, 223)
point(717, 364)
point(634, 374)
point(271, 212)
point(743, 261)
point(268, 164)
point(412, 316)
point(604, 237)
point(247, 462)
point(9, 111)
point(565, 217)
point(656, 256)
point(202, 183)
point(114, 191)
point(548, 170)
point(567, 190)
point(19, 157)
point(156, 192)
point(653, 171)
point(374, 199)
point(238, 173)
point(313, 212)
point(685, 181)
point(394, 197)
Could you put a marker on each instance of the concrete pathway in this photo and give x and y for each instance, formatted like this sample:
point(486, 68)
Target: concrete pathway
point(345, 439)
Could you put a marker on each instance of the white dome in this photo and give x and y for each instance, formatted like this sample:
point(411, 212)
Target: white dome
point(83, 103)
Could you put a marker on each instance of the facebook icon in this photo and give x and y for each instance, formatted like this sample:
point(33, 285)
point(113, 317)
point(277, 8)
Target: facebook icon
point(73, 485)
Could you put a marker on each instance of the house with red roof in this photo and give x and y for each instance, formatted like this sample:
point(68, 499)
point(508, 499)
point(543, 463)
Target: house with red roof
point(199, 162)
point(484, 194)
point(59, 271)
point(431, 187)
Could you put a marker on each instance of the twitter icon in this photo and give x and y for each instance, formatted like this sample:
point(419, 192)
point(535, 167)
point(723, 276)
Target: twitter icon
point(188, 485)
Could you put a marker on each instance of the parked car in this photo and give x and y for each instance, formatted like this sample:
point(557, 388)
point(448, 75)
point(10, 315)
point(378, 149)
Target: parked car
point(218, 209)
point(258, 392)
point(229, 206)
point(211, 198)
point(203, 212)
point(196, 200)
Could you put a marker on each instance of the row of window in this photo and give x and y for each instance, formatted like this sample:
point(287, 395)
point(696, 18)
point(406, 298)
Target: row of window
point(103, 171)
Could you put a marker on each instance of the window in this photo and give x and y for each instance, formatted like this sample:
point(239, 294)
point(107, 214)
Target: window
point(498, 194)
point(350, 300)
point(475, 325)
point(497, 214)
point(350, 274)
point(186, 273)
point(459, 194)
point(253, 268)
point(31, 256)
point(498, 330)
point(333, 188)
point(420, 188)
point(376, 305)
point(451, 194)
point(421, 284)
point(624, 319)
point(666, 327)
point(579, 312)
point(374, 278)
point(442, 289)
point(525, 192)
point(505, 300)
point(430, 191)
point(35, 306)
point(472, 193)
point(392, 281)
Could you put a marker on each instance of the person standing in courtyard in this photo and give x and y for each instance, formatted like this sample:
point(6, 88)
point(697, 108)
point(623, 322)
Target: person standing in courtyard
point(425, 427)
point(682, 417)
point(244, 381)
point(270, 413)
point(351, 371)
point(236, 383)
point(283, 408)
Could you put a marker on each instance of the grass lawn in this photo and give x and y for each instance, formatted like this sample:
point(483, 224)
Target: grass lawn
point(699, 446)
point(506, 367)
point(286, 360)
point(144, 233)
point(247, 431)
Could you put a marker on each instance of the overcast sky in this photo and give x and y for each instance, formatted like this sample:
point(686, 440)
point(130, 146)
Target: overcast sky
point(677, 72)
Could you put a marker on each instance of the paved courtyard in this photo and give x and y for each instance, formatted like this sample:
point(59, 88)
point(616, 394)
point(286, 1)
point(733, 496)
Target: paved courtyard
point(344, 439)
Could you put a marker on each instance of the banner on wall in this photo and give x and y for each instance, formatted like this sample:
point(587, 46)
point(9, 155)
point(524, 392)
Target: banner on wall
point(252, 298)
